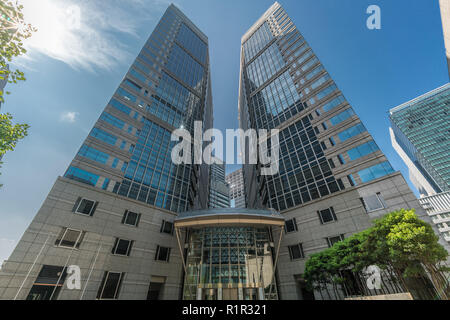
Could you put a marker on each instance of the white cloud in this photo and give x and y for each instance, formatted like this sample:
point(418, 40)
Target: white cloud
point(84, 33)
point(6, 248)
point(69, 116)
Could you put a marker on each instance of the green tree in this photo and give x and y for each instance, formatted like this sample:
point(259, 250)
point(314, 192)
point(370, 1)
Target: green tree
point(412, 246)
point(10, 134)
point(399, 243)
point(13, 31)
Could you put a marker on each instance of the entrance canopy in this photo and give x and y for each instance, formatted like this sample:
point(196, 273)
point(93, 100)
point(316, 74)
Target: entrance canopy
point(229, 217)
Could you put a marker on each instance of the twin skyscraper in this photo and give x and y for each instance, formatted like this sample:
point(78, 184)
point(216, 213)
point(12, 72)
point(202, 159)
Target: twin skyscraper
point(114, 214)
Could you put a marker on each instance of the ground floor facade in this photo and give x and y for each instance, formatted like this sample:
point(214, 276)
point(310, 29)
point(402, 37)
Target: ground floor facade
point(86, 244)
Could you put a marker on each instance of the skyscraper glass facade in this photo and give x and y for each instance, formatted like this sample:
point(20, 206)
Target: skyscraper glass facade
point(422, 129)
point(164, 89)
point(237, 194)
point(284, 86)
point(219, 191)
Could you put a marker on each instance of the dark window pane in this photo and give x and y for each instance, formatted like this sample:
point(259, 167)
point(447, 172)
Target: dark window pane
point(85, 206)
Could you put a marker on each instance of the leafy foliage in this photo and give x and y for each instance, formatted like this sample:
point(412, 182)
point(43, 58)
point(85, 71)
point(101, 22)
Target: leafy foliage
point(399, 241)
point(13, 30)
point(10, 133)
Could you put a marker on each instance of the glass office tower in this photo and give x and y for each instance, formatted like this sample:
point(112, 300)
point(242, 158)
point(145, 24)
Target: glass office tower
point(333, 179)
point(420, 134)
point(236, 182)
point(164, 89)
point(112, 213)
point(219, 191)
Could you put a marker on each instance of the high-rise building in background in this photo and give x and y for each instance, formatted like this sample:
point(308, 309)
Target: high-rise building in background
point(219, 191)
point(438, 208)
point(420, 134)
point(333, 179)
point(112, 214)
point(445, 15)
point(236, 182)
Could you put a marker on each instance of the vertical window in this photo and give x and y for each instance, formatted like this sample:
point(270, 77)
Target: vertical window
point(331, 162)
point(332, 240)
point(115, 163)
point(373, 202)
point(351, 180)
point(340, 183)
point(69, 238)
point(122, 247)
point(131, 218)
point(166, 227)
point(162, 254)
point(48, 283)
point(290, 225)
point(296, 251)
point(85, 206)
point(341, 159)
point(327, 215)
point(324, 126)
point(105, 184)
point(333, 143)
point(110, 285)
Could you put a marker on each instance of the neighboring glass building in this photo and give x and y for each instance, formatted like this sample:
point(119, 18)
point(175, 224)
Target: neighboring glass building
point(445, 15)
point(333, 180)
point(230, 254)
point(420, 134)
point(219, 191)
point(438, 208)
point(112, 213)
point(236, 182)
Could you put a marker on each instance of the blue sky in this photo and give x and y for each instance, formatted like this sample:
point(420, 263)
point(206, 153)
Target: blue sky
point(73, 71)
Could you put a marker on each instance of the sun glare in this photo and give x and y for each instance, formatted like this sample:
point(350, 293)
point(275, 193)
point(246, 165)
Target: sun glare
point(50, 19)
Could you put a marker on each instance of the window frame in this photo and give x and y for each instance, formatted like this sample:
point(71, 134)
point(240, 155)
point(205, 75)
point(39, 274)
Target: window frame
point(78, 203)
point(158, 250)
point(294, 225)
point(302, 252)
point(116, 245)
point(163, 224)
point(126, 215)
point(380, 201)
point(77, 243)
point(103, 285)
point(340, 236)
point(333, 215)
